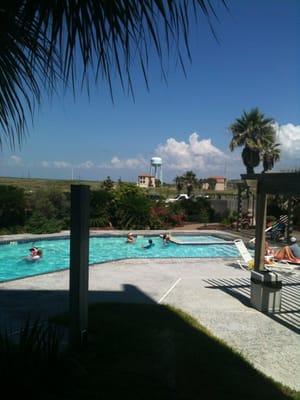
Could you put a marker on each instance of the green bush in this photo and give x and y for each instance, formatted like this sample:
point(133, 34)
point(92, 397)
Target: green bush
point(12, 206)
point(197, 210)
point(38, 223)
point(48, 211)
point(101, 208)
point(132, 212)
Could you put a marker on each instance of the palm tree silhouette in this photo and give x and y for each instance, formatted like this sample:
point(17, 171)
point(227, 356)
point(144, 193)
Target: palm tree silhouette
point(257, 134)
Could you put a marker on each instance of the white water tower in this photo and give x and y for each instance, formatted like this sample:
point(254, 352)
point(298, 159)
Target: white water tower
point(156, 168)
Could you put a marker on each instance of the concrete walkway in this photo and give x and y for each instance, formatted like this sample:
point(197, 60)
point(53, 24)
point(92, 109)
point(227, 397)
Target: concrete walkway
point(215, 292)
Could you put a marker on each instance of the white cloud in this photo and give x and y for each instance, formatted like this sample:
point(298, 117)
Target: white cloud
point(16, 160)
point(46, 164)
point(289, 137)
point(61, 164)
point(87, 165)
point(129, 163)
point(194, 154)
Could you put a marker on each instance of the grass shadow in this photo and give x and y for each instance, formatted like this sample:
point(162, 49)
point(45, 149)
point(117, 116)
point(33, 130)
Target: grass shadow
point(149, 351)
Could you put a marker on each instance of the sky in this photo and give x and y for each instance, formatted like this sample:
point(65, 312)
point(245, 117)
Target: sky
point(255, 62)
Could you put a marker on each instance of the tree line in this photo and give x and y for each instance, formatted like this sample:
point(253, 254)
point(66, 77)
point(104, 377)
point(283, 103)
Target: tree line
point(112, 205)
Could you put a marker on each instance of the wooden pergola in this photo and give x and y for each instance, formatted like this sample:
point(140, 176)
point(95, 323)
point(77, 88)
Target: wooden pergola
point(287, 183)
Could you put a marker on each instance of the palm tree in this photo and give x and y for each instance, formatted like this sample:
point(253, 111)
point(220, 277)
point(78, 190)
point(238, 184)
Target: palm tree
point(179, 182)
point(256, 133)
point(44, 43)
point(190, 181)
point(271, 154)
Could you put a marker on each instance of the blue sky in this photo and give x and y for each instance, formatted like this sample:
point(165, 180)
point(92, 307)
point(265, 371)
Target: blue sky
point(255, 62)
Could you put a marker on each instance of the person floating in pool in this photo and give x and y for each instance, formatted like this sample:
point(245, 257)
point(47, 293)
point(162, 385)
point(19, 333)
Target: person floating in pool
point(130, 238)
point(35, 254)
point(166, 238)
point(149, 245)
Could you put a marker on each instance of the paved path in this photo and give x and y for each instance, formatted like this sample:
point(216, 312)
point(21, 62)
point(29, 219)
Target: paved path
point(215, 292)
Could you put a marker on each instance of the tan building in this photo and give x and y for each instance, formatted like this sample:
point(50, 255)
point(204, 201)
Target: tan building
point(217, 183)
point(220, 183)
point(146, 181)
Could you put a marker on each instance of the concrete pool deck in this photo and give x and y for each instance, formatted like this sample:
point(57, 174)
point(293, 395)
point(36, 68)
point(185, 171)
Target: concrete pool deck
point(214, 291)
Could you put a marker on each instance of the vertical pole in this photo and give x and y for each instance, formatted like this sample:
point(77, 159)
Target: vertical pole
point(260, 235)
point(290, 222)
point(239, 209)
point(79, 257)
point(253, 210)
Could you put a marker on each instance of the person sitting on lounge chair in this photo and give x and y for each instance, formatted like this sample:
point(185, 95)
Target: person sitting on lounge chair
point(277, 233)
point(269, 254)
point(289, 253)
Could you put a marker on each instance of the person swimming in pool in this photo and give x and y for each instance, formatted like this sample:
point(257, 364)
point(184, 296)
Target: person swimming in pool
point(149, 245)
point(130, 238)
point(166, 238)
point(35, 254)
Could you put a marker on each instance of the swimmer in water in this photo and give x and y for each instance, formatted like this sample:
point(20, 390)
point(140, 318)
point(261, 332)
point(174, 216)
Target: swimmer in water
point(130, 238)
point(149, 245)
point(35, 254)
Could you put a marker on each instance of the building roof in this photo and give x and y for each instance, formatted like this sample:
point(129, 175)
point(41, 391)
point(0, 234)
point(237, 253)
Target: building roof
point(219, 179)
point(146, 176)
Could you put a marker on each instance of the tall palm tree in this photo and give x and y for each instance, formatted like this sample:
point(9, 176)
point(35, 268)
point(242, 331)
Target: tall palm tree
point(190, 181)
point(179, 182)
point(46, 42)
point(256, 133)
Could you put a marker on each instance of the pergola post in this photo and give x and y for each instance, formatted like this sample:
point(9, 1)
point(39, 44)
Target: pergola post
point(266, 285)
point(239, 209)
point(79, 264)
point(260, 235)
point(290, 223)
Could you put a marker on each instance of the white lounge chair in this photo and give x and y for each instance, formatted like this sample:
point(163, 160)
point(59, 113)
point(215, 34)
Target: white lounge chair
point(247, 261)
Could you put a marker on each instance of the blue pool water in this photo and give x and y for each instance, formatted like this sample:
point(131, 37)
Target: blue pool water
point(196, 239)
point(56, 253)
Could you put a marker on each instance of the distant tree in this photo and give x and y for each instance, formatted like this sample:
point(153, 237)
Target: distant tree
point(157, 183)
point(211, 183)
point(201, 182)
point(190, 181)
point(257, 134)
point(108, 184)
point(179, 182)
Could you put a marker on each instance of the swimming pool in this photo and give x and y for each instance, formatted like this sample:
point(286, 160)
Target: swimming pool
point(56, 253)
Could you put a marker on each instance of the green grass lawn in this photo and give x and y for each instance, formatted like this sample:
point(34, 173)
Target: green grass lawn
point(139, 351)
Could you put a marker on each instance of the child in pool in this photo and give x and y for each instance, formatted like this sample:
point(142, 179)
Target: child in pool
point(149, 245)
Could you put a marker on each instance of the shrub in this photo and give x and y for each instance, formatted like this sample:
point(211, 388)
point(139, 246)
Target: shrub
point(197, 210)
point(38, 223)
point(101, 208)
point(12, 206)
point(132, 212)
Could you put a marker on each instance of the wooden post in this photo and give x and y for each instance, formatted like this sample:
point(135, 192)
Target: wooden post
point(79, 264)
point(290, 222)
point(260, 235)
point(239, 209)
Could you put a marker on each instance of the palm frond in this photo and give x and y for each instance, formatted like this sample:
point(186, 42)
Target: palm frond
point(42, 42)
